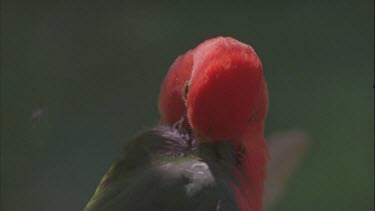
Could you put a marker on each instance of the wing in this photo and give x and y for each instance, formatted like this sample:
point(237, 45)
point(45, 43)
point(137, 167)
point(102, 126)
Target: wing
point(287, 150)
point(150, 178)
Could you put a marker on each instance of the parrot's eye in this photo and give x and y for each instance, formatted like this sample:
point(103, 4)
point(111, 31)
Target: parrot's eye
point(186, 89)
point(252, 116)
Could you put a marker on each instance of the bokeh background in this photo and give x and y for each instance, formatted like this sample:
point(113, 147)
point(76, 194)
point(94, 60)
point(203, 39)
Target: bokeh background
point(81, 77)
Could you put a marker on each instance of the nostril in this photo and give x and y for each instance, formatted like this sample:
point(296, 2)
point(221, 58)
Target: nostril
point(252, 117)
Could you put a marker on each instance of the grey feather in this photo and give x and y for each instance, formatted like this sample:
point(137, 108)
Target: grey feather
point(162, 169)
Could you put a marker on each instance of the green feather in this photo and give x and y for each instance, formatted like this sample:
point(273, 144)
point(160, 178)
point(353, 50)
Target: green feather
point(149, 177)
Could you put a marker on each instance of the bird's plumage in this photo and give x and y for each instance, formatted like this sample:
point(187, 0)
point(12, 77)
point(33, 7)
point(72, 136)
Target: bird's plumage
point(163, 170)
point(218, 93)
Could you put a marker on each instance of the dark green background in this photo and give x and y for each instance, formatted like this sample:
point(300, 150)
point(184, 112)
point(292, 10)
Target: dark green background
point(80, 77)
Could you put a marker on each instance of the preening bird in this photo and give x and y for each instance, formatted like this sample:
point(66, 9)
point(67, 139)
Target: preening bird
point(208, 151)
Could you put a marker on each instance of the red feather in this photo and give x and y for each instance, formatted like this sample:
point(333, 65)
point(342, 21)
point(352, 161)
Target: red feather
point(227, 89)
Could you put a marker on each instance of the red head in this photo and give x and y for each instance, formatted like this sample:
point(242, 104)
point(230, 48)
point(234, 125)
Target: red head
point(224, 88)
point(218, 83)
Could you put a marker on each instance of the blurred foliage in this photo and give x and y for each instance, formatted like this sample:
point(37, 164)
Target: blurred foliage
point(81, 77)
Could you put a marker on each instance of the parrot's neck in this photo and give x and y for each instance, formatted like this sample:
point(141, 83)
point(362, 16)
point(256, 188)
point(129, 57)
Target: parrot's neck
point(220, 152)
point(253, 152)
point(242, 164)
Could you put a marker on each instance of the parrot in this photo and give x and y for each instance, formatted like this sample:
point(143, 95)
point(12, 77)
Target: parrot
point(208, 150)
